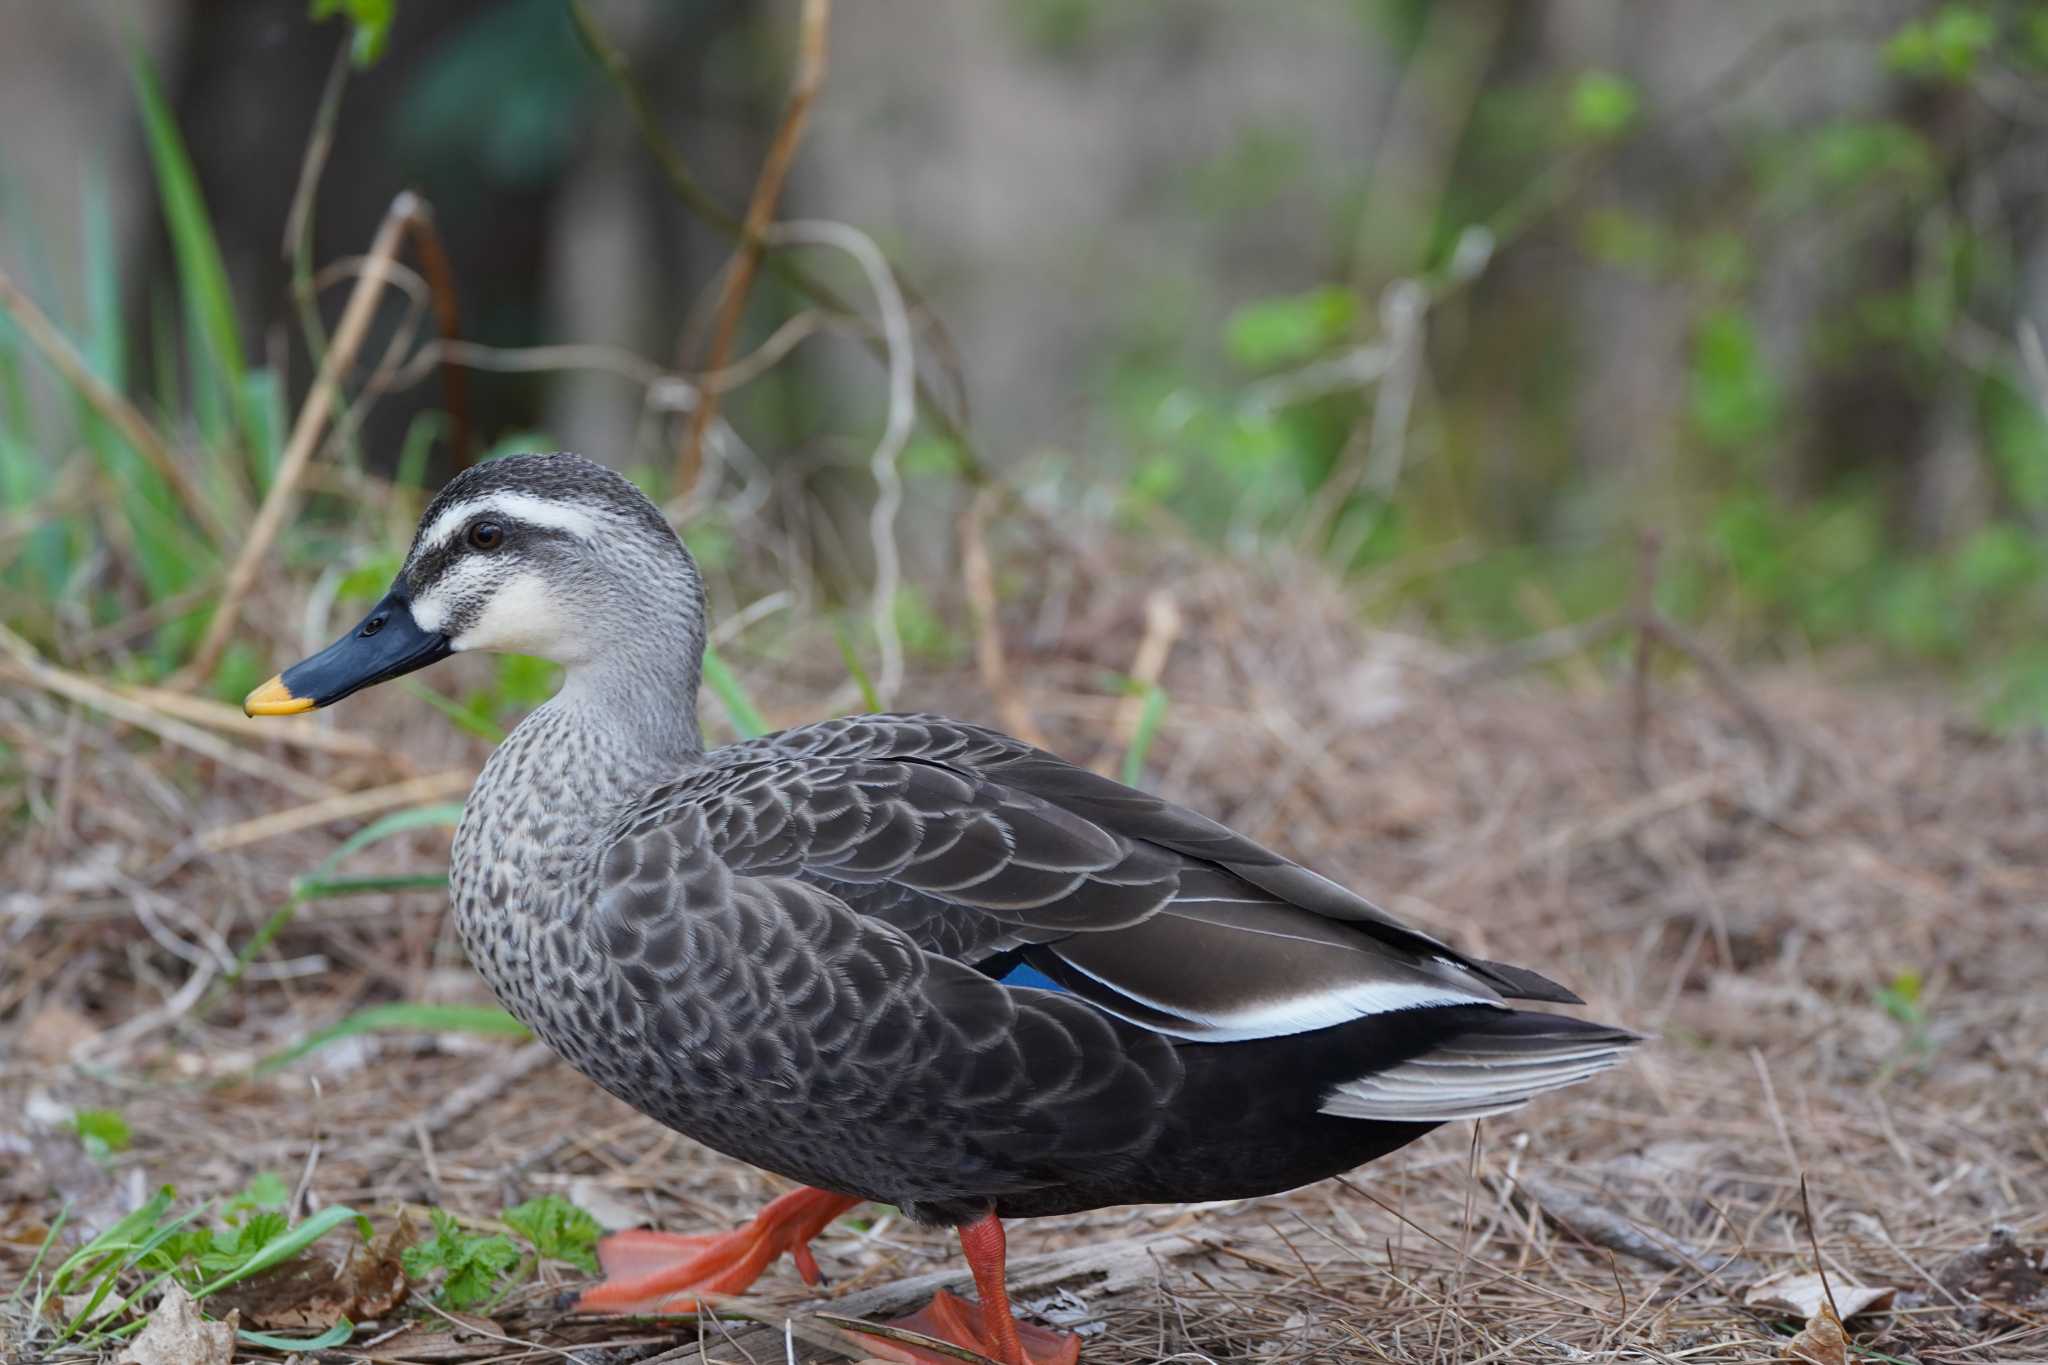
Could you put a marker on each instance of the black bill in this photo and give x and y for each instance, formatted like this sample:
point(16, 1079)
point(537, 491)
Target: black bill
point(383, 645)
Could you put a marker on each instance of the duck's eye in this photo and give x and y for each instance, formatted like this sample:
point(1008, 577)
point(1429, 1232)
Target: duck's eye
point(373, 625)
point(486, 535)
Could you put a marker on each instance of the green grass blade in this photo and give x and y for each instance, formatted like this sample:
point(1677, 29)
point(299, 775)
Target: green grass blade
point(487, 1020)
point(202, 275)
point(49, 1240)
point(466, 718)
point(106, 333)
point(739, 707)
point(288, 1244)
point(868, 696)
point(332, 1337)
point(331, 888)
point(445, 813)
point(1142, 737)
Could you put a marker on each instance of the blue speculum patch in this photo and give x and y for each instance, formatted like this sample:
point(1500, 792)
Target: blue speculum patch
point(1024, 974)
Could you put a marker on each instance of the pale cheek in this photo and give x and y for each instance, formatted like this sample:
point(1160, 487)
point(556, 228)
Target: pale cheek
point(519, 619)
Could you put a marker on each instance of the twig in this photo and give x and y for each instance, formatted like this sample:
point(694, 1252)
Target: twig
point(1162, 630)
point(344, 806)
point(694, 197)
point(305, 436)
point(467, 1099)
point(294, 732)
point(988, 631)
point(1534, 651)
point(24, 663)
point(1813, 1241)
point(1644, 619)
point(739, 280)
point(895, 434)
point(298, 220)
point(1603, 1227)
point(117, 410)
point(433, 258)
point(1375, 464)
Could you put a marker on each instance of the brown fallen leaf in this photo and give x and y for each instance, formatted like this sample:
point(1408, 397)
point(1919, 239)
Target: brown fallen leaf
point(1995, 1276)
point(177, 1335)
point(314, 1291)
point(1820, 1342)
point(1804, 1295)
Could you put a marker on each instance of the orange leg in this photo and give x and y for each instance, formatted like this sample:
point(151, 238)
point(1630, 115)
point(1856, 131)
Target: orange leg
point(992, 1328)
point(658, 1272)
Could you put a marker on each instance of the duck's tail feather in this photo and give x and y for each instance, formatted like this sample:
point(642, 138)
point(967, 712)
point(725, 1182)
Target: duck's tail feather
point(1497, 1065)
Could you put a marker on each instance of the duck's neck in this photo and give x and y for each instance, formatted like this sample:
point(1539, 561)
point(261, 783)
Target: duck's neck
point(617, 729)
point(638, 708)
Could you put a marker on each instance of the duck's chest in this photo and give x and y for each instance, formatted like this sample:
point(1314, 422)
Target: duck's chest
point(523, 880)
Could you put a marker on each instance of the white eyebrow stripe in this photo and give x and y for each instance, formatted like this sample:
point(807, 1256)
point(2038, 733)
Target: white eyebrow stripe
point(556, 516)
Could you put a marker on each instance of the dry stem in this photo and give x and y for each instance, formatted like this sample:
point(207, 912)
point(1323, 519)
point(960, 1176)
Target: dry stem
point(305, 436)
point(739, 279)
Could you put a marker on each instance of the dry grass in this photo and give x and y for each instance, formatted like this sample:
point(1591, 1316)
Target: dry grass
point(1678, 886)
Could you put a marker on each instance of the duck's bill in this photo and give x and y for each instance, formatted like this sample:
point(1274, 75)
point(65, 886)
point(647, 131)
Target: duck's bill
point(382, 645)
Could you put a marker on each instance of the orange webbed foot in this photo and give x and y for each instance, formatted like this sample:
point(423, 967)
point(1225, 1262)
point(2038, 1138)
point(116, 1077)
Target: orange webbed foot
point(961, 1322)
point(660, 1272)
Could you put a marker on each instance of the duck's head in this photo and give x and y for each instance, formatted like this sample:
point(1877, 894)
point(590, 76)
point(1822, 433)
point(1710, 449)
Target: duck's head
point(550, 555)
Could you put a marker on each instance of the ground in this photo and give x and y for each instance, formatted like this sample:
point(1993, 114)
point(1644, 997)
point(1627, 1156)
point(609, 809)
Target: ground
point(1826, 901)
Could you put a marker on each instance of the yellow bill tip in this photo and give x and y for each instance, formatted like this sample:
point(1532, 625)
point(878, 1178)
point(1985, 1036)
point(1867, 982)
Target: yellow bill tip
point(274, 699)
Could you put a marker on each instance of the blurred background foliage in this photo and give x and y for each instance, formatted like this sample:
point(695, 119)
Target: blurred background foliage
point(1458, 297)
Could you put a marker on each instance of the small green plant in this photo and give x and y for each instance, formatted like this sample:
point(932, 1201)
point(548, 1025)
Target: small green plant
point(102, 1131)
point(105, 1284)
point(557, 1229)
point(473, 1264)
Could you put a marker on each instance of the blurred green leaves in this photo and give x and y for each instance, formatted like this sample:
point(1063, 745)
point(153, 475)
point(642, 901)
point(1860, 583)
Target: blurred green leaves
point(1945, 46)
point(1291, 328)
point(1603, 105)
point(102, 1132)
point(1734, 397)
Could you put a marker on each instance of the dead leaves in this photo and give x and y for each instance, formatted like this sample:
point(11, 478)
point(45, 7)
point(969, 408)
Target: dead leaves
point(1805, 1295)
point(1821, 1342)
point(177, 1335)
point(314, 1291)
point(1817, 1300)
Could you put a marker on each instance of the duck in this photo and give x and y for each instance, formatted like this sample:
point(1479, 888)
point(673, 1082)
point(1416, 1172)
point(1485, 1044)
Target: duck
point(900, 959)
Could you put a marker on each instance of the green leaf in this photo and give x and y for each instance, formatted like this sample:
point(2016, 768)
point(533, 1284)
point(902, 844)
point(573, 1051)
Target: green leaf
point(1291, 328)
point(1603, 105)
point(266, 1191)
point(280, 1244)
point(1735, 398)
point(1851, 153)
point(372, 20)
point(369, 580)
point(473, 1263)
point(487, 1020)
point(102, 1131)
point(558, 1230)
point(1945, 46)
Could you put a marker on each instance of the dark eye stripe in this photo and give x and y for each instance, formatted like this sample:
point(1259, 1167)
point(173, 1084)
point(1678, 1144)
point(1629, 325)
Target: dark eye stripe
point(426, 570)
